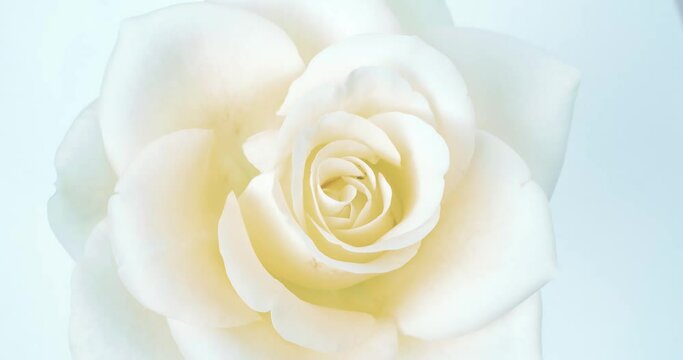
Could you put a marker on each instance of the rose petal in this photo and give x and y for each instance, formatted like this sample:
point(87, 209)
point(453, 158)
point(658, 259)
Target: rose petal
point(320, 328)
point(259, 341)
point(366, 91)
point(520, 94)
point(261, 150)
point(428, 71)
point(253, 283)
point(420, 182)
point(312, 326)
point(195, 65)
point(369, 230)
point(106, 322)
point(416, 16)
point(336, 126)
point(492, 248)
point(328, 170)
point(286, 251)
point(425, 162)
point(164, 223)
point(315, 24)
point(515, 336)
point(372, 90)
point(84, 183)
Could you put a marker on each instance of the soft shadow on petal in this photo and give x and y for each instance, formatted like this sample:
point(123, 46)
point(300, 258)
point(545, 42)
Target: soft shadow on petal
point(84, 183)
point(493, 248)
point(106, 322)
point(514, 336)
point(520, 94)
point(315, 327)
point(195, 65)
point(316, 24)
point(164, 221)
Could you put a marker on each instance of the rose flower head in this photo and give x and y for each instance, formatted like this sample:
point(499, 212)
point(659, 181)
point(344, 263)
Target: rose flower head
point(308, 179)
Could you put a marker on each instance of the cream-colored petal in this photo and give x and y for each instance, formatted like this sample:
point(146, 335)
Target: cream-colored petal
point(195, 65)
point(315, 24)
point(301, 195)
point(373, 90)
point(248, 276)
point(368, 232)
point(418, 16)
point(335, 126)
point(428, 71)
point(419, 182)
point(106, 322)
point(261, 150)
point(315, 327)
point(333, 195)
point(346, 126)
point(425, 163)
point(365, 168)
point(164, 221)
point(84, 183)
point(366, 91)
point(492, 248)
point(520, 94)
point(514, 336)
point(320, 328)
point(289, 253)
point(259, 341)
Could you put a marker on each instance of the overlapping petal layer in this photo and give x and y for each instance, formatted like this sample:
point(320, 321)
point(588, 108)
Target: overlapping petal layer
point(514, 336)
point(315, 327)
point(195, 66)
point(383, 225)
point(520, 94)
point(106, 322)
point(492, 248)
point(259, 341)
point(428, 72)
point(315, 24)
point(84, 183)
point(163, 219)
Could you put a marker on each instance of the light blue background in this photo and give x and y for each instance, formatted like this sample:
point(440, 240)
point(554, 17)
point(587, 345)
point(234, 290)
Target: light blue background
point(617, 208)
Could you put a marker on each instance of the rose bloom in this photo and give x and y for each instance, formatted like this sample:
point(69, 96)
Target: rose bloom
point(342, 179)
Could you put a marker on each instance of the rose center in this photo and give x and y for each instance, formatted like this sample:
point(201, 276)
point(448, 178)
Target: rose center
point(351, 199)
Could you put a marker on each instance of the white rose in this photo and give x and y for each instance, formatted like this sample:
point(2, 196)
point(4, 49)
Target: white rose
point(301, 180)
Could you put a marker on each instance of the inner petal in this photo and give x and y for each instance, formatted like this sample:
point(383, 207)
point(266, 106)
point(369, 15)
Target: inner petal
point(310, 196)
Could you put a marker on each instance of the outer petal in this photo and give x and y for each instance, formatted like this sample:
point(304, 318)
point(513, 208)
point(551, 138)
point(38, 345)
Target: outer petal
point(315, 327)
point(84, 183)
point(259, 341)
point(515, 336)
point(164, 222)
point(428, 71)
point(492, 248)
point(315, 24)
point(195, 66)
point(417, 16)
point(520, 94)
point(366, 91)
point(106, 322)
point(261, 151)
